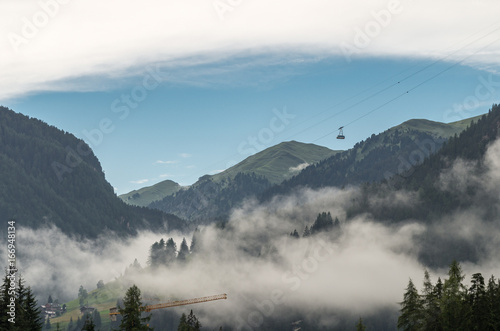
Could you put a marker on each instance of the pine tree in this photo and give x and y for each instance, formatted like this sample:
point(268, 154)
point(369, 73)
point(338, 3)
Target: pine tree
point(70, 324)
point(89, 324)
point(154, 255)
point(33, 316)
point(295, 234)
point(79, 323)
point(194, 247)
point(21, 314)
point(454, 294)
point(189, 323)
point(193, 322)
point(479, 303)
point(411, 317)
point(96, 317)
point(162, 253)
point(183, 323)
point(170, 251)
point(184, 251)
point(5, 299)
point(82, 295)
point(131, 313)
point(493, 299)
point(360, 326)
point(430, 304)
point(307, 232)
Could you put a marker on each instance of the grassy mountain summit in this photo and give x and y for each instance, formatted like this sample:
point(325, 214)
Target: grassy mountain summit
point(144, 196)
point(51, 177)
point(436, 129)
point(212, 197)
point(394, 151)
point(279, 162)
point(275, 164)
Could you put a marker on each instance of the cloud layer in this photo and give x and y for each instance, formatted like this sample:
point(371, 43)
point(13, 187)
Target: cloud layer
point(361, 268)
point(67, 44)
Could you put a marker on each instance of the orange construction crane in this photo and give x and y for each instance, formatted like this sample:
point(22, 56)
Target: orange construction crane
point(114, 310)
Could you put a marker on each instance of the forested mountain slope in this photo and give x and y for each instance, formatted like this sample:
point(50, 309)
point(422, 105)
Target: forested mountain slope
point(212, 197)
point(50, 177)
point(379, 157)
point(465, 150)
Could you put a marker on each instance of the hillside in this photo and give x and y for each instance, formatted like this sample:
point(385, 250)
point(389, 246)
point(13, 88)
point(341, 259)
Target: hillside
point(146, 195)
point(275, 164)
point(394, 151)
point(278, 162)
point(212, 197)
point(454, 184)
point(51, 177)
point(469, 146)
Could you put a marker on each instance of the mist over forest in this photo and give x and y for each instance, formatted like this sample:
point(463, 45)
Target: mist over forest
point(359, 268)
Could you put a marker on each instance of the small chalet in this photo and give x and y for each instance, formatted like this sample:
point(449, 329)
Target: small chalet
point(86, 309)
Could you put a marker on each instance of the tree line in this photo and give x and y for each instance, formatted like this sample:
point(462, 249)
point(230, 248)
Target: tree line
point(323, 223)
point(163, 253)
point(19, 310)
point(451, 305)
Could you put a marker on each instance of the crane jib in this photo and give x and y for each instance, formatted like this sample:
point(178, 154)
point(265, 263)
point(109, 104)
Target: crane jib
point(114, 310)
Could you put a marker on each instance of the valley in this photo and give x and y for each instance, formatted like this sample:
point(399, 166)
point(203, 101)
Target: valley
point(406, 199)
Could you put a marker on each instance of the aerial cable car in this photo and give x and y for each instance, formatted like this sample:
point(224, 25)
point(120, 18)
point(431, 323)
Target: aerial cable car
point(341, 133)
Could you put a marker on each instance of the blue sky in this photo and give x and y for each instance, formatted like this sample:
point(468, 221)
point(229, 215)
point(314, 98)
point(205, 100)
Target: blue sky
point(179, 96)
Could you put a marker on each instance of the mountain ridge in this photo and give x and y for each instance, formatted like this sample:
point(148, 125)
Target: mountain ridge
point(51, 177)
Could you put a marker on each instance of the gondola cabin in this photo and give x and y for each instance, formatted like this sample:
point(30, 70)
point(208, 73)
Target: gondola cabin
point(341, 133)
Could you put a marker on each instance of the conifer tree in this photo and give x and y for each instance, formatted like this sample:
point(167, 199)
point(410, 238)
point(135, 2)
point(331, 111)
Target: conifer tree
point(189, 323)
point(89, 324)
point(162, 253)
point(453, 311)
point(33, 318)
point(21, 314)
point(154, 255)
point(70, 324)
point(411, 318)
point(493, 299)
point(96, 318)
point(170, 251)
point(5, 301)
point(131, 313)
point(183, 323)
point(184, 251)
point(430, 304)
point(478, 302)
point(360, 326)
point(194, 247)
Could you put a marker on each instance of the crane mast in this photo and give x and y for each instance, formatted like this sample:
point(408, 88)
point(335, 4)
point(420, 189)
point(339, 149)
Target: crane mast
point(114, 310)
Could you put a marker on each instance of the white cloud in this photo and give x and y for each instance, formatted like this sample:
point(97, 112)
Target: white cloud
point(299, 167)
point(140, 181)
point(185, 155)
point(166, 162)
point(79, 41)
point(165, 175)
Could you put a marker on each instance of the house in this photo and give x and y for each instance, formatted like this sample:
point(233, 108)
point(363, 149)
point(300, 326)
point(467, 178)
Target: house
point(86, 309)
